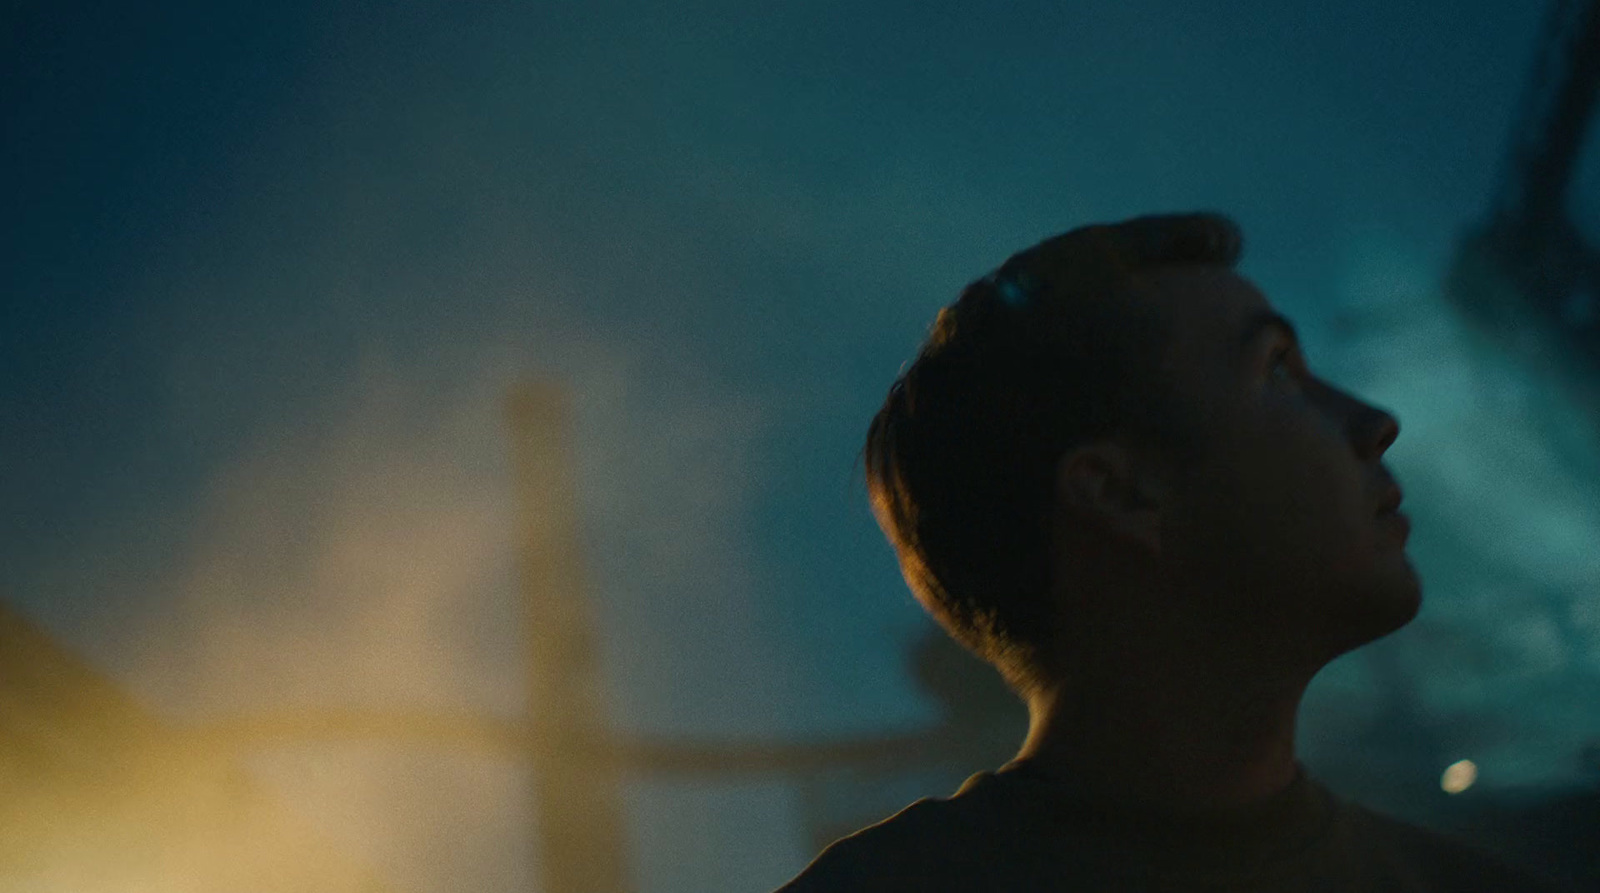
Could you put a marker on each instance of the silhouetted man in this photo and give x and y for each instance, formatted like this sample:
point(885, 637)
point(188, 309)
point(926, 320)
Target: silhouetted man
point(1111, 474)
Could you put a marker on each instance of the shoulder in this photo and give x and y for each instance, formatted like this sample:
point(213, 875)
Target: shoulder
point(1436, 860)
point(925, 847)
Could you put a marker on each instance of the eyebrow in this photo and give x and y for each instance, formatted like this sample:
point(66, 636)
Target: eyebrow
point(1259, 322)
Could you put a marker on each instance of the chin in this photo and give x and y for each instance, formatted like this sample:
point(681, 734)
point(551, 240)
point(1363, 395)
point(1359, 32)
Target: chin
point(1406, 591)
point(1386, 606)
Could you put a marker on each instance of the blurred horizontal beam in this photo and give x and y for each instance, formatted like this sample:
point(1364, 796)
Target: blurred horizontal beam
point(448, 730)
point(513, 739)
point(699, 758)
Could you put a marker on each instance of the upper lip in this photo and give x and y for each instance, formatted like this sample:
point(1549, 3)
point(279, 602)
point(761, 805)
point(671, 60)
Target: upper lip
point(1391, 500)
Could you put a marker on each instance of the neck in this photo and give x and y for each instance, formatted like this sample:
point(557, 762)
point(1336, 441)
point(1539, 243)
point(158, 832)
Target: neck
point(1185, 736)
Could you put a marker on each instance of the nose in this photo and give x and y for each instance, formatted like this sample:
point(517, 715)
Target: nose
point(1372, 430)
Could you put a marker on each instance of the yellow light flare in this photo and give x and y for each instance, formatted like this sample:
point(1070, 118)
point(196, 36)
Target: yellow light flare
point(1459, 776)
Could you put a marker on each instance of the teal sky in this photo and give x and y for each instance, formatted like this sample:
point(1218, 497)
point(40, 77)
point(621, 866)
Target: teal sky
point(271, 271)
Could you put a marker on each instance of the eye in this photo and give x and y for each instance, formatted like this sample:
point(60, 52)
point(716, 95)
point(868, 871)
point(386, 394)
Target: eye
point(1280, 367)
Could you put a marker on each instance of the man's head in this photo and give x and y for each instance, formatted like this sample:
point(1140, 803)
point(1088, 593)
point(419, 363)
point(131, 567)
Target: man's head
point(1114, 435)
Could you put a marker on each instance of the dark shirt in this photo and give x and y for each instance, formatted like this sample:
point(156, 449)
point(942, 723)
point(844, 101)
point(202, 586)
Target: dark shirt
point(1019, 831)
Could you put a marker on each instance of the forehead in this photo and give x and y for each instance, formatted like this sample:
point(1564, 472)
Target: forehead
point(1205, 309)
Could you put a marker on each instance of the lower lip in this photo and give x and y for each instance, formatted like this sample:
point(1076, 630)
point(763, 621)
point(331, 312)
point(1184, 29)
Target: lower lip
point(1398, 522)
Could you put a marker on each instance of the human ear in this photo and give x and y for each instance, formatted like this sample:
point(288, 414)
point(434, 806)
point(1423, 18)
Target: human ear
point(1103, 483)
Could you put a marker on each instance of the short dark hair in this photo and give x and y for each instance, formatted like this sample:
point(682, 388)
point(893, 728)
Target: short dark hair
point(1040, 356)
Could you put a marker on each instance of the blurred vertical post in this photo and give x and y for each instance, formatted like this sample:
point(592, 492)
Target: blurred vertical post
point(576, 782)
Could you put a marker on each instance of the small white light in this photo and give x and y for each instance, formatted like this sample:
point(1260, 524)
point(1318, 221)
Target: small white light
point(1459, 777)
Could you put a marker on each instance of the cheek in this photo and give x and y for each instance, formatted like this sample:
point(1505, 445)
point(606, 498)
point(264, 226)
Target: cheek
point(1274, 511)
point(1305, 507)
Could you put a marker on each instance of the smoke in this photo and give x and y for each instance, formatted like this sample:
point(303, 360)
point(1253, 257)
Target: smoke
point(1505, 657)
point(362, 554)
point(348, 561)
